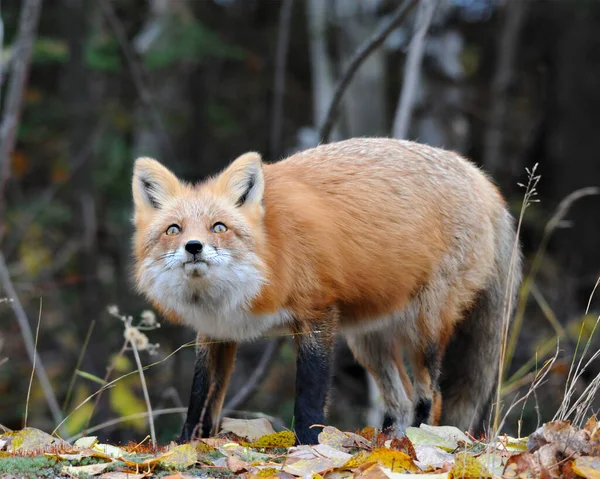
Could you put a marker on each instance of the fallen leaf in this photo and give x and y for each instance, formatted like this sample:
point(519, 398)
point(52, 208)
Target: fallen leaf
point(450, 433)
point(243, 453)
point(335, 438)
point(236, 465)
point(422, 437)
point(30, 439)
point(396, 461)
point(521, 465)
point(432, 457)
point(567, 440)
point(325, 450)
point(124, 475)
point(466, 465)
point(184, 455)
point(253, 429)
point(404, 445)
point(547, 457)
point(308, 467)
point(373, 471)
point(588, 467)
point(87, 442)
point(112, 451)
point(79, 471)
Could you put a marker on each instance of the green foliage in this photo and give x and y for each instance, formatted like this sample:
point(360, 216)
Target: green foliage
point(188, 41)
point(102, 53)
point(50, 50)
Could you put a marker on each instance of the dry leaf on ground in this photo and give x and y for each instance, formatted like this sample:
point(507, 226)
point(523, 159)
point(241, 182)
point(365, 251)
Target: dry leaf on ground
point(252, 429)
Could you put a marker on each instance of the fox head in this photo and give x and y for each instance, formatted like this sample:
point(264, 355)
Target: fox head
point(199, 246)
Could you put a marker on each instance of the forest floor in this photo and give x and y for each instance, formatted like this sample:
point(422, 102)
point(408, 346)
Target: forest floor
point(251, 448)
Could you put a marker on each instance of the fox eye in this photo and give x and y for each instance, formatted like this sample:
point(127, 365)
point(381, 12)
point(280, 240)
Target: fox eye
point(219, 228)
point(173, 230)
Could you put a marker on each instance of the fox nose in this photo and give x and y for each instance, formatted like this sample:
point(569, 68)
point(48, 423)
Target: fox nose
point(194, 247)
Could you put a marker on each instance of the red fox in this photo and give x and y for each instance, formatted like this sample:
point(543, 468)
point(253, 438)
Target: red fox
point(400, 247)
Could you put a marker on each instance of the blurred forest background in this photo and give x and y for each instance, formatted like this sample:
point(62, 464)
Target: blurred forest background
point(195, 83)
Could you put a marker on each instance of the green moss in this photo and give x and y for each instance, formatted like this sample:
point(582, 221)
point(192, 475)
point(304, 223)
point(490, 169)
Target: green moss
point(30, 467)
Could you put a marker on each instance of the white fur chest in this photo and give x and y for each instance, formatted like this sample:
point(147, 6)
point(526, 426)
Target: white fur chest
point(237, 325)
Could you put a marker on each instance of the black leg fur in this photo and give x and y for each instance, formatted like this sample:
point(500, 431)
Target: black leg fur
point(313, 377)
point(198, 401)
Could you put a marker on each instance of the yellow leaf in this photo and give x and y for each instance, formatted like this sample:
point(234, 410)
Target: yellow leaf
point(124, 402)
point(77, 421)
point(182, 456)
point(395, 460)
point(588, 467)
point(335, 438)
point(466, 465)
point(29, 439)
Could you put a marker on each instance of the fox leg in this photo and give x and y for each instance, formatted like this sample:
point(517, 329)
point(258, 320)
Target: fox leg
point(426, 359)
point(214, 363)
point(315, 341)
point(426, 364)
point(378, 353)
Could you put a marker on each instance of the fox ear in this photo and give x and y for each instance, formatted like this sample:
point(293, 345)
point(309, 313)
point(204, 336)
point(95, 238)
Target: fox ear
point(153, 184)
point(243, 181)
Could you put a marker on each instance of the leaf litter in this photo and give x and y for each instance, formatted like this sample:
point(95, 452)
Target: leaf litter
point(252, 449)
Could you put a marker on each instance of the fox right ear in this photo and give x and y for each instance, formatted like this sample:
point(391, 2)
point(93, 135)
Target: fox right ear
point(153, 184)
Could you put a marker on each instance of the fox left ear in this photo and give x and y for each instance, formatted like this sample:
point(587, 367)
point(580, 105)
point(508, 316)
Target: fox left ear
point(243, 181)
point(152, 185)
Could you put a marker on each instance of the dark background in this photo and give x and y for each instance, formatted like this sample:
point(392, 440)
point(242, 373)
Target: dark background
point(191, 82)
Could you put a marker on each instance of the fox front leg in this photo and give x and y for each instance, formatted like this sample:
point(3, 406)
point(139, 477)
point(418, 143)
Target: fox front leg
point(214, 363)
point(315, 345)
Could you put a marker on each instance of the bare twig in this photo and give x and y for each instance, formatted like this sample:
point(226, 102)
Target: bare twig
point(37, 335)
point(146, 395)
point(137, 73)
point(28, 339)
point(28, 22)
point(257, 375)
point(283, 40)
point(557, 220)
point(370, 45)
point(412, 69)
point(529, 197)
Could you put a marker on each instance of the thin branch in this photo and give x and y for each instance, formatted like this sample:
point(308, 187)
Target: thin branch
point(28, 22)
point(283, 40)
point(137, 73)
point(257, 375)
point(28, 339)
point(382, 32)
point(412, 69)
